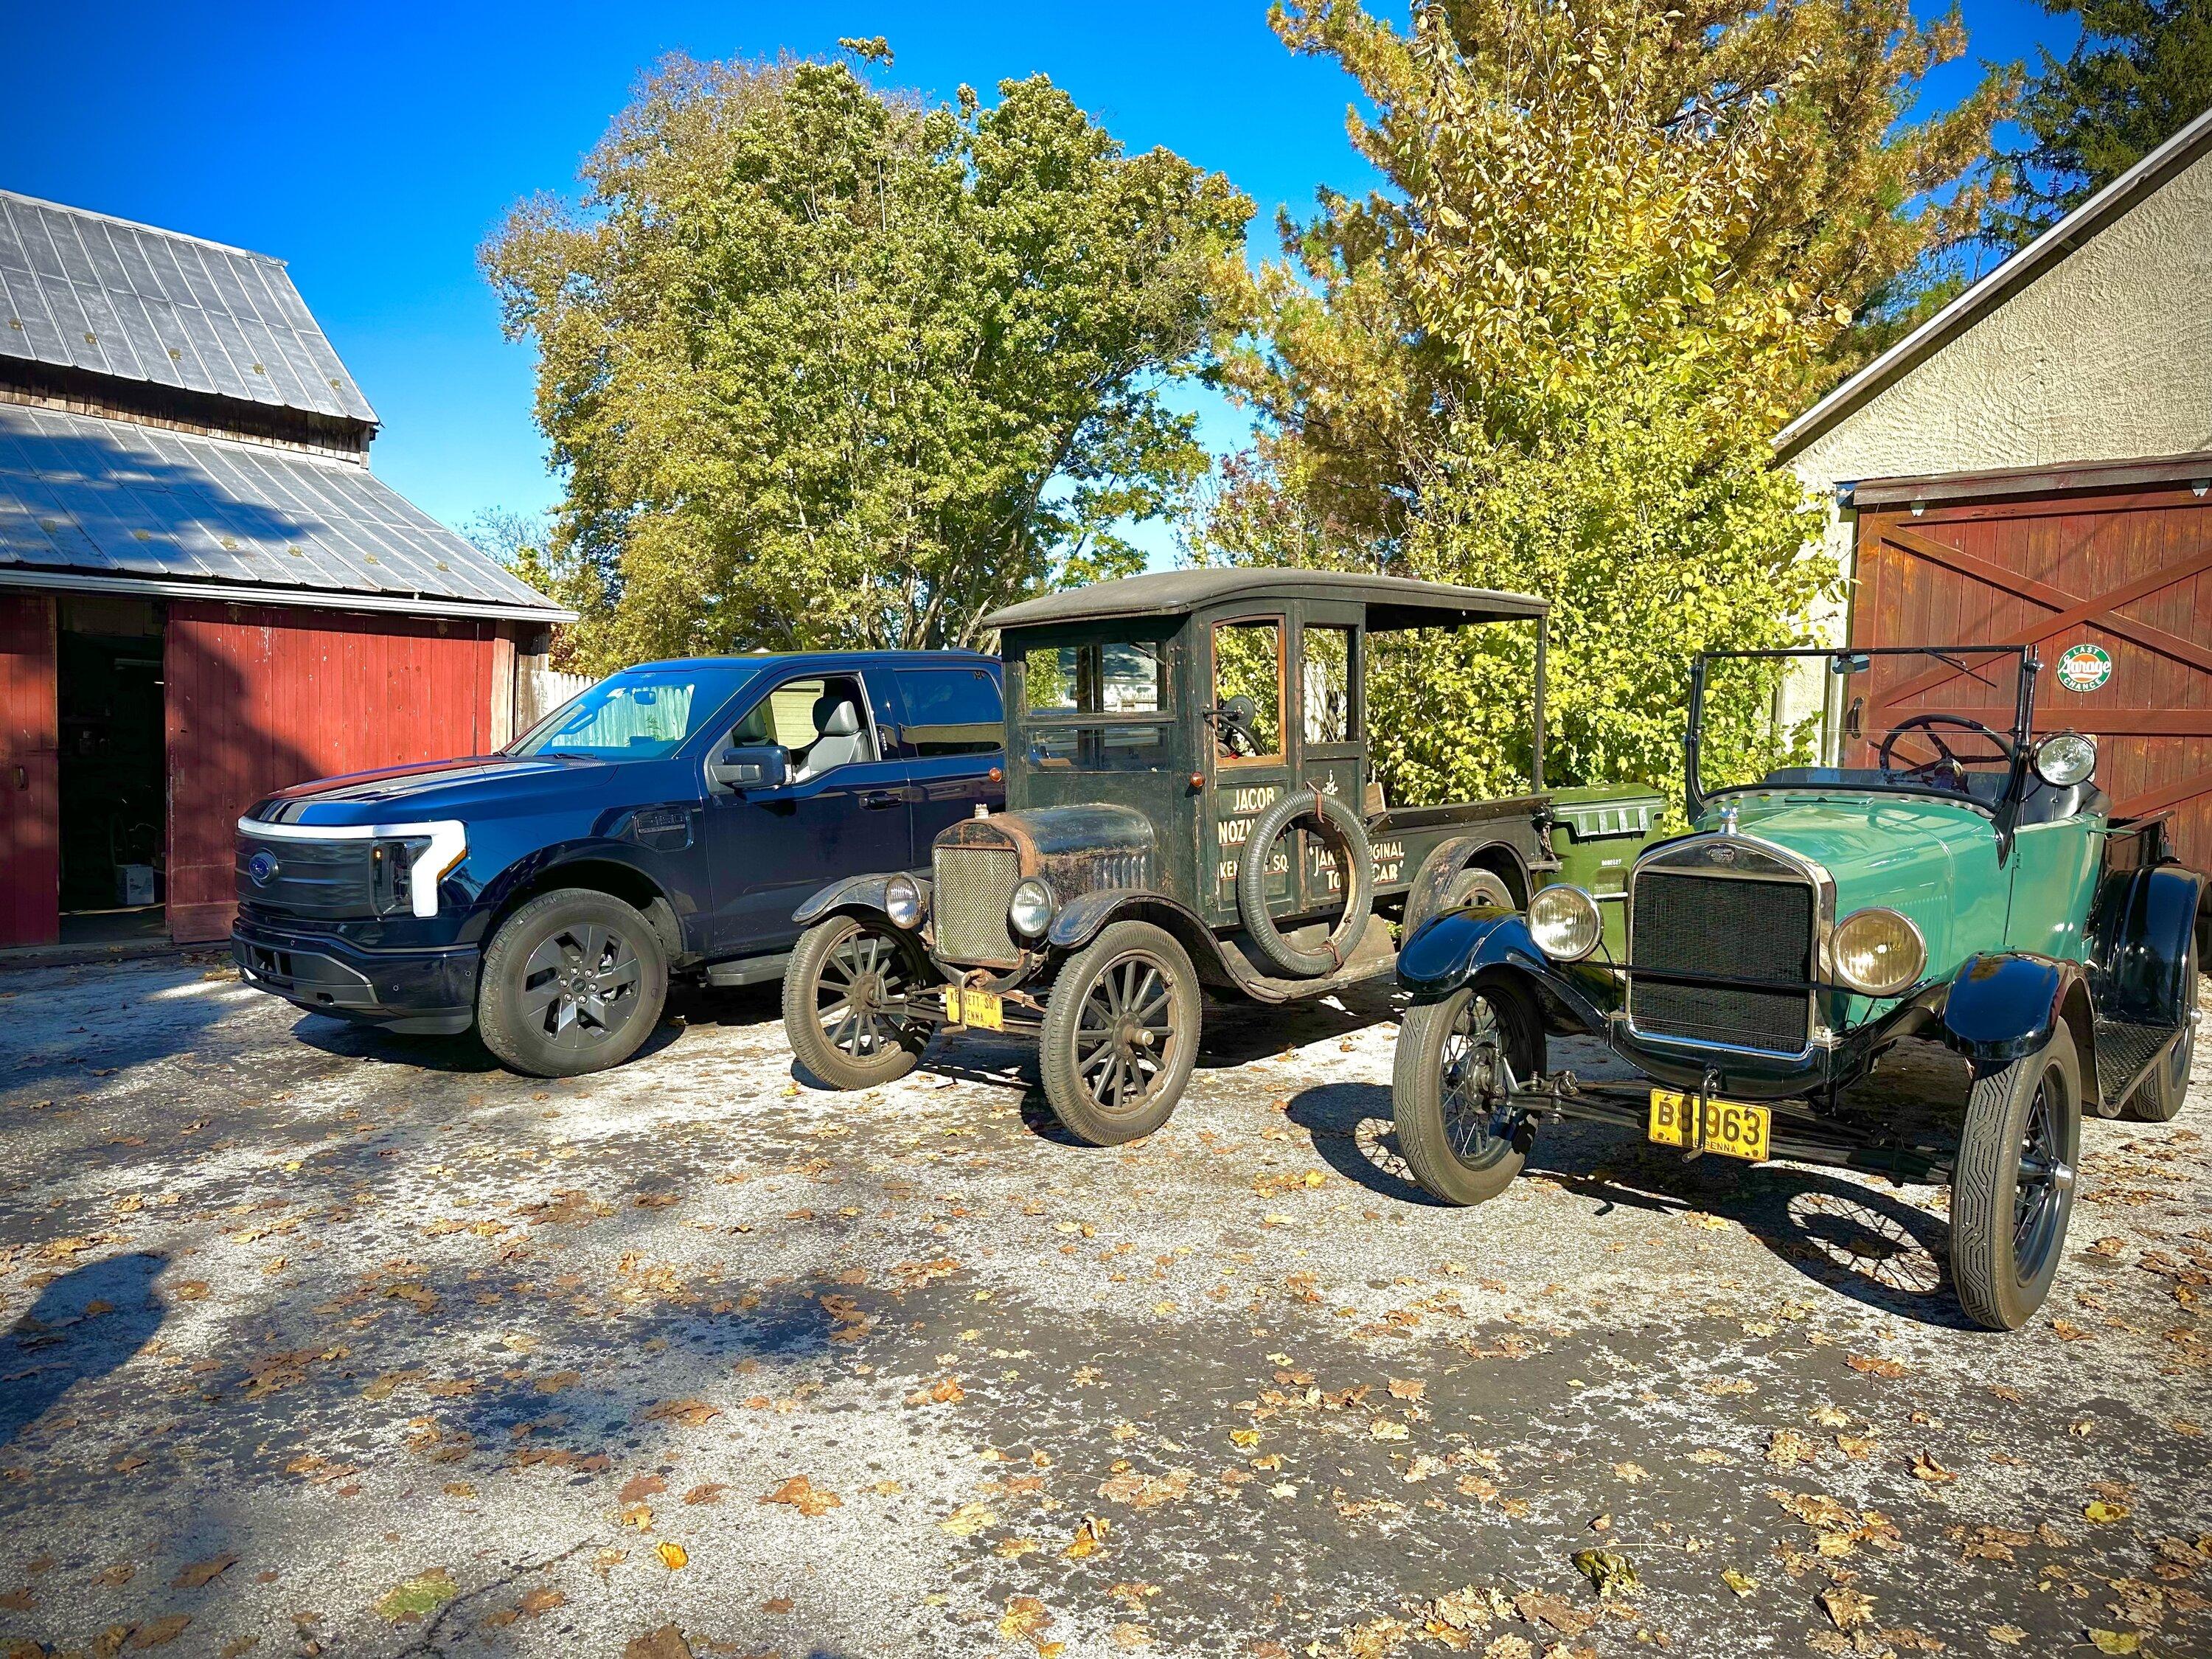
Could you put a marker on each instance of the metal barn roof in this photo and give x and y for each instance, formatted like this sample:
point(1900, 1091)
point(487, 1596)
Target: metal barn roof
point(82, 291)
point(88, 501)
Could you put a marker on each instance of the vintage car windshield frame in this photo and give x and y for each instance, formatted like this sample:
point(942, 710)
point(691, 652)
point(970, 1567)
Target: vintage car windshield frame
point(1696, 796)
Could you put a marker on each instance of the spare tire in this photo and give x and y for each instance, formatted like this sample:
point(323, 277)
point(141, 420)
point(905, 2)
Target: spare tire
point(1341, 831)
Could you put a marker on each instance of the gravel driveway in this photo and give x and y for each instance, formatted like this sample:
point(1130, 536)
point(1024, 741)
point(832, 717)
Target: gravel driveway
point(327, 1342)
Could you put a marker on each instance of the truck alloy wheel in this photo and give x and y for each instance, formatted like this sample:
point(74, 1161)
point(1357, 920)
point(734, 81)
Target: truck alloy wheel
point(1121, 1034)
point(573, 981)
point(2014, 1188)
point(844, 1002)
point(1455, 1125)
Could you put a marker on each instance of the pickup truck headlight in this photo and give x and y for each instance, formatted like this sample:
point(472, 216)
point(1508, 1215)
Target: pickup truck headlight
point(1030, 909)
point(404, 870)
point(1564, 922)
point(903, 901)
point(1878, 952)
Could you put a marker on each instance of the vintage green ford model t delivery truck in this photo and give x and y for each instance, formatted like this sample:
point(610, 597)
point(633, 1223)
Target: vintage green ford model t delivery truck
point(1968, 887)
point(1189, 807)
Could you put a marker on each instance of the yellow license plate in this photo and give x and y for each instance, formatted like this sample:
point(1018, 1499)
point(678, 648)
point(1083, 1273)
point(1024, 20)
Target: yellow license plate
point(1732, 1127)
point(984, 1009)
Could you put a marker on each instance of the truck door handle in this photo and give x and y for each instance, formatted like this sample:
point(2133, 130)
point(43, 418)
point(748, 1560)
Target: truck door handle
point(876, 800)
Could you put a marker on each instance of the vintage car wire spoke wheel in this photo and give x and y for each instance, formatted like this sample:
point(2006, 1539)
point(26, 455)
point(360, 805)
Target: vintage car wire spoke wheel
point(2158, 1098)
point(845, 994)
point(1455, 1124)
point(2012, 1191)
point(1345, 838)
point(572, 982)
point(1121, 1034)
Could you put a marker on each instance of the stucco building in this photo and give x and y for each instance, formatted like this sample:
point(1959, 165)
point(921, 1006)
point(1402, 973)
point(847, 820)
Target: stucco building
point(2031, 465)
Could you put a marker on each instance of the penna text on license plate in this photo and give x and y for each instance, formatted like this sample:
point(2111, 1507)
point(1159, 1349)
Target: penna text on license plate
point(984, 1009)
point(1732, 1127)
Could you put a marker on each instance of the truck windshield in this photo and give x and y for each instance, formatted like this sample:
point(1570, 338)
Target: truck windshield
point(637, 714)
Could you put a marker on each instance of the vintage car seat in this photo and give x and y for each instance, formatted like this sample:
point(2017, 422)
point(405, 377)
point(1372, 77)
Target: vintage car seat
point(837, 718)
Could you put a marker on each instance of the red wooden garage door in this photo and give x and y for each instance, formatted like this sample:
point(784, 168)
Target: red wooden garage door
point(263, 697)
point(2118, 557)
point(30, 805)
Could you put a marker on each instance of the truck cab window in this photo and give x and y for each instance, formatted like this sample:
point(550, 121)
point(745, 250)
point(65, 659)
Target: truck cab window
point(821, 720)
point(1325, 684)
point(1248, 677)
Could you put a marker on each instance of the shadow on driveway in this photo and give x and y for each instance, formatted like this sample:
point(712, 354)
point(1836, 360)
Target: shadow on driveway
point(85, 1324)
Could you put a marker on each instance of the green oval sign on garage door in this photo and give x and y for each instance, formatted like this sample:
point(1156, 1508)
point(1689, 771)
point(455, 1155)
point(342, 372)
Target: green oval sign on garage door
point(2084, 667)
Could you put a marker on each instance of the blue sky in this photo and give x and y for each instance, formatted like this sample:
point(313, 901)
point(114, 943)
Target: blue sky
point(374, 148)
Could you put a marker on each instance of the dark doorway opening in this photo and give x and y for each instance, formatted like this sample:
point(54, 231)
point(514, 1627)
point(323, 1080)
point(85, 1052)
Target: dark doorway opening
point(114, 817)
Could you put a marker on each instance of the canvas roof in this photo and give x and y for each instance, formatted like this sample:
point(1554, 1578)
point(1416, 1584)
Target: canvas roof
point(1391, 601)
point(114, 500)
point(82, 291)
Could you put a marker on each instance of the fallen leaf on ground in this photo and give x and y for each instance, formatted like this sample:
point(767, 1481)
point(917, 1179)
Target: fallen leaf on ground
point(1741, 1583)
point(672, 1555)
point(2116, 1641)
point(1861, 1362)
point(666, 1642)
point(968, 1519)
point(1845, 1605)
point(800, 1493)
point(1401, 1389)
point(1609, 1571)
point(2011, 1635)
point(167, 1628)
point(202, 1572)
point(691, 1413)
point(410, 1599)
point(709, 1493)
point(2102, 1512)
point(639, 1488)
point(1925, 1467)
point(1786, 1449)
point(1541, 1605)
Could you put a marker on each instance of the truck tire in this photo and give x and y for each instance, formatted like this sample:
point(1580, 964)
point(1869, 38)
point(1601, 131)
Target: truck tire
point(844, 991)
point(572, 982)
point(2160, 1096)
point(1121, 1034)
point(1442, 1089)
point(1341, 831)
point(2013, 1190)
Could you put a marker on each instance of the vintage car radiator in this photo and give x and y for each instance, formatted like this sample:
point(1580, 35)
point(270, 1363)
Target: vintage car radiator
point(1749, 927)
point(973, 887)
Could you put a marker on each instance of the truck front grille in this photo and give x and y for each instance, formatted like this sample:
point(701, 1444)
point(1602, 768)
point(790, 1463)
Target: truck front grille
point(322, 880)
point(973, 885)
point(1744, 928)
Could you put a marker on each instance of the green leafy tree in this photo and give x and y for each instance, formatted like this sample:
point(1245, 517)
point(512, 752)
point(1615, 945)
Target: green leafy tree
point(1618, 244)
point(823, 365)
point(2140, 72)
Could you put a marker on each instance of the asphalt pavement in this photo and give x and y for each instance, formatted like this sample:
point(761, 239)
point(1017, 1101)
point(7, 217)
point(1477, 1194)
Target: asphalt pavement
point(324, 1341)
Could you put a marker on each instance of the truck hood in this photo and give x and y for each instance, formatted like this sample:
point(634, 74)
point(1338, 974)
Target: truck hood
point(1933, 861)
point(435, 789)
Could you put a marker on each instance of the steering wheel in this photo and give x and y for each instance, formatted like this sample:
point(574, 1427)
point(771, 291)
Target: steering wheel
point(1945, 762)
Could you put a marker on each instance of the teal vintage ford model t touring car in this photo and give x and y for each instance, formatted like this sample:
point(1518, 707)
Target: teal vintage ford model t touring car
point(1190, 808)
point(1967, 886)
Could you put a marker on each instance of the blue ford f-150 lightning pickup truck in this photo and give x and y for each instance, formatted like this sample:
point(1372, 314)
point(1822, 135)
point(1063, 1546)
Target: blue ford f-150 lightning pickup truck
point(669, 819)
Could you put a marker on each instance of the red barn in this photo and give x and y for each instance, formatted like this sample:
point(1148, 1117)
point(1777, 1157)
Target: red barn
point(204, 592)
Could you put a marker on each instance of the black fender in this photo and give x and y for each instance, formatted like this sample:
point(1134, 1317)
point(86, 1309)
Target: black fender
point(2138, 940)
point(1445, 862)
point(2002, 1005)
point(636, 874)
point(856, 893)
point(1081, 919)
point(1481, 941)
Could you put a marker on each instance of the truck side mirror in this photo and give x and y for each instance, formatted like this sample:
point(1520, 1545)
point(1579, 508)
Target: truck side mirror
point(751, 766)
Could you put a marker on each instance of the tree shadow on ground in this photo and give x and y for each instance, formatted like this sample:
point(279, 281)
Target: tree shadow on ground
point(85, 1324)
point(1848, 1237)
point(462, 1055)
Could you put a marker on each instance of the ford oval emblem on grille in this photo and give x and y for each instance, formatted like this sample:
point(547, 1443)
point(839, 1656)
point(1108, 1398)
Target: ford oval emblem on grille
point(261, 867)
point(1721, 854)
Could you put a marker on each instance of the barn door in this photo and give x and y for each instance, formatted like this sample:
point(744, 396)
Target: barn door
point(30, 803)
point(2112, 588)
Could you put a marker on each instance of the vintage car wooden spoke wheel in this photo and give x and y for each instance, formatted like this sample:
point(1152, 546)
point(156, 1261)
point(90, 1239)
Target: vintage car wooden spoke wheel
point(2013, 1192)
point(845, 1002)
point(1457, 1059)
point(1121, 1034)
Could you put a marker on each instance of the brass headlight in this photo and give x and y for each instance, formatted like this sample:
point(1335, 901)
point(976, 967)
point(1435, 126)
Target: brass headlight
point(1564, 923)
point(1879, 952)
point(2065, 759)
